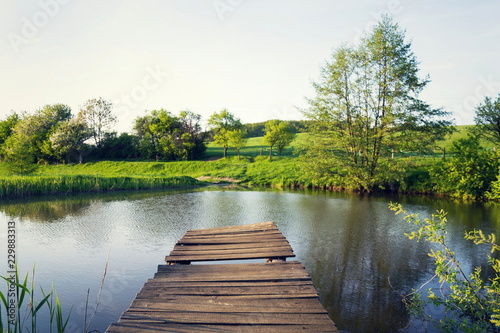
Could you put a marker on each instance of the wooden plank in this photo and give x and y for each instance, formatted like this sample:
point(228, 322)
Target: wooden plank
point(233, 272)
point(231, 304)
point(261, 298)
point(228, 318)
point(215, 284)
point(229, 256)
point(234, 268)
point(185, 250)
point(262, 226)
point(258, 233)
point(161, 291)
point(146, 305)
point(154, 327)
point(209, 247)
point(230, 240)
point(238, 299)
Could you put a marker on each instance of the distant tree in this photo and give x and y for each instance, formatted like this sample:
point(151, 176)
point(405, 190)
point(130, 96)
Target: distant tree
point(162, 135)
point(19, 155)
point(68, 138)
point(114, 146)
point(98, 115)
point(157, 132)
point(367, 104)
point(255, 130)
point(278, 133)
point(6, 129)
point(193, 137)
point(238, 140)
point(30, 135)
point(7, 126)
point(223, 124)
point(487, 120)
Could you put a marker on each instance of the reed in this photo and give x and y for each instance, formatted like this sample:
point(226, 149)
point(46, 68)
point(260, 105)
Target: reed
point(28, 308)
point(21, 186)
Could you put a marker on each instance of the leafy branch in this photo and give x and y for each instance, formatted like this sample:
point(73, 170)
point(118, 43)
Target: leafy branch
point(471, 303)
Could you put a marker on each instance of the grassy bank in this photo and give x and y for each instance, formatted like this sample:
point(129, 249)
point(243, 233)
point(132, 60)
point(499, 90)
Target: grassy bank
point(119, 175)
point(405, 173)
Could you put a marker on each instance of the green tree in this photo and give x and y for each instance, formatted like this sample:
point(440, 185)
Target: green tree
point(114, 146)
point(367, 105)
point(469, 174)
point(6, 129)
point(164, 135)
point(278, 133)
point(471, 302)
point(19, 155)
point(223, 124)
point(69, 138)
point(98, 114)
point(487, 120)
point(238, 140)
point(158, 132)
point(193, 137)
point(30, 135)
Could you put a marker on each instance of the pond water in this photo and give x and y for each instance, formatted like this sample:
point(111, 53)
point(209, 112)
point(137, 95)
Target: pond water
point(349, 244)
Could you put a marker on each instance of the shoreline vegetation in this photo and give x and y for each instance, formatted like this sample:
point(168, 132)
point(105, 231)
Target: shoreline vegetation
point(404, 173)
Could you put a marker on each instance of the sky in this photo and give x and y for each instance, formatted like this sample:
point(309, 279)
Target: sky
point(256, 58)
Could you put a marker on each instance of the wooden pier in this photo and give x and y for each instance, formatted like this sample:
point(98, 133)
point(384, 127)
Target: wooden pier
point(272, 296)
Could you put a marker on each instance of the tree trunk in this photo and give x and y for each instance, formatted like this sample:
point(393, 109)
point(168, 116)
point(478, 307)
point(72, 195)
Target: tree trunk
point(271, 154)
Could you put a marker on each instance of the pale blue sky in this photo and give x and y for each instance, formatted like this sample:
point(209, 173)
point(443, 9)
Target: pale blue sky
point(256, 58)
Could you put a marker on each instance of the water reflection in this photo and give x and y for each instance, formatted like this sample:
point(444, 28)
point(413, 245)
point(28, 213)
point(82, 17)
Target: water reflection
point(349, 244)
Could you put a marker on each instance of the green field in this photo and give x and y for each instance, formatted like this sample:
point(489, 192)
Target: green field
point(461, 133)
point(256, 146)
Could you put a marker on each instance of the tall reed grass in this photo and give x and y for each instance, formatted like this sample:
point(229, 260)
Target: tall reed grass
point(21, 186)
point(28, 308)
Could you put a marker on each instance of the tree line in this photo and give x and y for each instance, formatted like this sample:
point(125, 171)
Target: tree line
point(53, 134)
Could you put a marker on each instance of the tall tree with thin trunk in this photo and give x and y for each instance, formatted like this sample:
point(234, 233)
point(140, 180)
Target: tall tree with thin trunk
point(238, 140)
point(278, 133)
point(223, 124)
point(98, 114)
point(367, 105)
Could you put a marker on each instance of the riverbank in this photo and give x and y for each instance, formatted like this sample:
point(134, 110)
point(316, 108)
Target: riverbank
point(281, 172)
point(411, 174)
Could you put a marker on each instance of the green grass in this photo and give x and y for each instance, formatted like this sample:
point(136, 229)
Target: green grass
point(461, 133)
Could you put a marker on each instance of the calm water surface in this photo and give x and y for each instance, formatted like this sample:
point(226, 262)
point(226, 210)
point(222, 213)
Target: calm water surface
point(349, 244)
